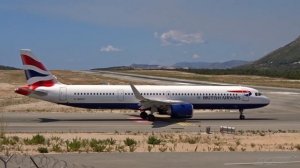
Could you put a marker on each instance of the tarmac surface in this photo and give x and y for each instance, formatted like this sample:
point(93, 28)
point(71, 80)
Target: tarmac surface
point(283, 113)
point(186, 160)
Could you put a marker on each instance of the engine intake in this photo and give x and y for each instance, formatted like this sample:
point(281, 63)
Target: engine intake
point(184, 110)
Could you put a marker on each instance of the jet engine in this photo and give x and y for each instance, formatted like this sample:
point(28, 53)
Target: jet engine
point(183, 110)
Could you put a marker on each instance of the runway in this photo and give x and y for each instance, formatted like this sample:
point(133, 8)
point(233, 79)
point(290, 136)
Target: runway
point(283, 113)
point(111, 122)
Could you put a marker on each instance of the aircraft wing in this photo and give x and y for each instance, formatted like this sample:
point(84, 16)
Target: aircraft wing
point(150, 103)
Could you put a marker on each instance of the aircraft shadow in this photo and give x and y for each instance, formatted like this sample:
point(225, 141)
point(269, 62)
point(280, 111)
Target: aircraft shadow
point(158, 123)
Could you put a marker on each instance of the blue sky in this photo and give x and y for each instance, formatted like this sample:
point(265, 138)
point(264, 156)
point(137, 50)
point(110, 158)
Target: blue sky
point(94, 33)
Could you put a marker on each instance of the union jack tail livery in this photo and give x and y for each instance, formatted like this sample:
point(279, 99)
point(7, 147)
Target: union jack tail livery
point(36, 75)
point(35, 72)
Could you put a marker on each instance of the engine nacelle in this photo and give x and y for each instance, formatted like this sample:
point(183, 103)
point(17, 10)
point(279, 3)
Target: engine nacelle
point(184, 110)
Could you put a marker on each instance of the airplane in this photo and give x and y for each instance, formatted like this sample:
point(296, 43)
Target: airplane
point(178, 101)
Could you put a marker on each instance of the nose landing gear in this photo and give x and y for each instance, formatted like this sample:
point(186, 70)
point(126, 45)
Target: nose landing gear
point(242, 116)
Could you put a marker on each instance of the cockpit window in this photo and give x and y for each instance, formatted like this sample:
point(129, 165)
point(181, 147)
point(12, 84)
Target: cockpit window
point(258, 94)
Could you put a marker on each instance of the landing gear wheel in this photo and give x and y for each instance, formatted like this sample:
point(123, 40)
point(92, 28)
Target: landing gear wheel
point(151, 117)
point(242, 117)
point(144, 115)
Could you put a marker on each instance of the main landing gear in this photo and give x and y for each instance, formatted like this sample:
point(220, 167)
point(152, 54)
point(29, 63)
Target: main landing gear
point(242, 116)
point(145, 116)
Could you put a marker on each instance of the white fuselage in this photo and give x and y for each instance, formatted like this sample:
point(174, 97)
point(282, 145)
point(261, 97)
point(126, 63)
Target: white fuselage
point(122, 96)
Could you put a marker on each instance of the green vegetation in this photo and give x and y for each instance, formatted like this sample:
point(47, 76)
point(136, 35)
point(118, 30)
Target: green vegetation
point(233, 79)
point(74, 145)
point(56, 148)
point(250, 140)
point(130, 142)
point(153, 140)
point(287, 57)
point(192, 140)
point(270, 72)
point(98, 145)
point(2, 67)
point(35, 140)
point(43, 149)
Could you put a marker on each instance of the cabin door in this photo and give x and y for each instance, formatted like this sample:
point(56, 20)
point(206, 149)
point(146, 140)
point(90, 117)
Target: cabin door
point(63, 94)
point(121, 95)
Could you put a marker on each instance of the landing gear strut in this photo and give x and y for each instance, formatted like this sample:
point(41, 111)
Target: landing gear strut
point(242, 116)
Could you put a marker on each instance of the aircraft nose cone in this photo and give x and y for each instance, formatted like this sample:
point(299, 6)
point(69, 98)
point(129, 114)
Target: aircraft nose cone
point(266, 100)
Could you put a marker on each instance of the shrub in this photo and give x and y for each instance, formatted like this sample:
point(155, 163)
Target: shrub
point(4, 140)
point(130, 142)
point(132, 148)
point(150, 148)
point(192, 140)
point(230, 148)
point(110, 141)
point(37, 139)
point(74, 145)
point(120, 148)
point(56, 148)
point(238, 142)
point(163, 148)
point(153, 140)
point(15, 138)
point(43, 149)
point(98, 145)
point(297, 146)
point(262, 133)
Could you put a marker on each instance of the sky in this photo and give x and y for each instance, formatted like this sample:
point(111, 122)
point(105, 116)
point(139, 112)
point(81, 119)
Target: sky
point(96, 33)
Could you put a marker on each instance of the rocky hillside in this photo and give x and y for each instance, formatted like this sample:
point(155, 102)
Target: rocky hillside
point(286, 57)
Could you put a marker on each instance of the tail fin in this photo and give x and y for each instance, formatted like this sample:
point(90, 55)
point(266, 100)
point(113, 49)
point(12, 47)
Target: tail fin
point(35, 71)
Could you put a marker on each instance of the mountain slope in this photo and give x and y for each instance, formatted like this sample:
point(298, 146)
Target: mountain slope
point(285, 57)
point(2, 67)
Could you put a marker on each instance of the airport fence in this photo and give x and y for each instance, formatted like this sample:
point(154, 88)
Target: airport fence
point(37, 161)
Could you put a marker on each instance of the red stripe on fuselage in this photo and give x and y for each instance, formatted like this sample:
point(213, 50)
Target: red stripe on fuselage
point(27, 60)
point(239, 91)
